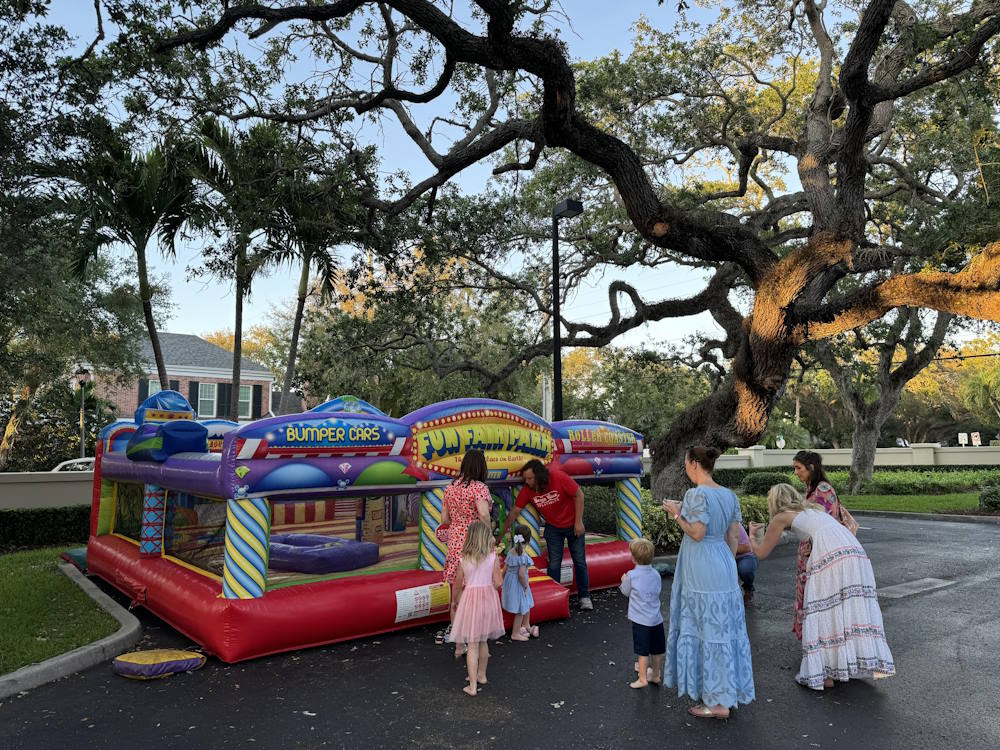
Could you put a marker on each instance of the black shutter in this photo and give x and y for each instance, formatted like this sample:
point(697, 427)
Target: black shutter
point(175, 385)
point(143, 390)
point(258, 394)
point(193, 394)
point(223, 392)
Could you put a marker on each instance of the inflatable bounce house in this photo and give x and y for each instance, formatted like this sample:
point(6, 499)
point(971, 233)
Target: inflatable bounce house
point(319, 527)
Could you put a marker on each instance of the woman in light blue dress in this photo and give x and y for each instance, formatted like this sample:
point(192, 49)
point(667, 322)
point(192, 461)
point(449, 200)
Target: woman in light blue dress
point(708, 652)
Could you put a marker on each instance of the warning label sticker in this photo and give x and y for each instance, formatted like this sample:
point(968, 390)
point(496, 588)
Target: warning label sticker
point(566, 573)
point(421, 601)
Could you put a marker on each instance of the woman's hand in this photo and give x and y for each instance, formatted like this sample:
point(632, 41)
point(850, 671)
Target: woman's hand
point(672, 508)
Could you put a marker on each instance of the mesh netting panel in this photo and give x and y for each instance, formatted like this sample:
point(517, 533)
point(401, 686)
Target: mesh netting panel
point(195, 530)
point(128, 509)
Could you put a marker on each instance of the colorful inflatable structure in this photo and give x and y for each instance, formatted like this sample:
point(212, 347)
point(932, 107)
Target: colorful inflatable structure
point(319, 527)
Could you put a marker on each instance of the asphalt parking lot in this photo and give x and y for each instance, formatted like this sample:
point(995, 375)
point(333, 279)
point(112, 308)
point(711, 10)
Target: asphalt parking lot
point(569, 689)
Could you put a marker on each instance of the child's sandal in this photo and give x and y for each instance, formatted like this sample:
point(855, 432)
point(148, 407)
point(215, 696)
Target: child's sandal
point(534, 631)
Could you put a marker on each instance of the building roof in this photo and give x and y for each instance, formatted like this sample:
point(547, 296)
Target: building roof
point(182, 350)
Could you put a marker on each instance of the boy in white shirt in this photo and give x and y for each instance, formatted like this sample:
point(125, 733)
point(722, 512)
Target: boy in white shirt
point(642, 587)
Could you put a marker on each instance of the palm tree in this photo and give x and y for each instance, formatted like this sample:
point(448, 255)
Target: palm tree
point(316, 216)
point(131, 198)
point(242, 171)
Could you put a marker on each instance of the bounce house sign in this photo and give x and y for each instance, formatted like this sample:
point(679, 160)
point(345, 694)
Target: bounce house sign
point(506, 438)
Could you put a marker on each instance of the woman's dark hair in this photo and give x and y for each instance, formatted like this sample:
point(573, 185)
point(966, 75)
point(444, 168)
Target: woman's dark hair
point(473, 467)
point(540, 472)
point(814, 465)
point(704, 457)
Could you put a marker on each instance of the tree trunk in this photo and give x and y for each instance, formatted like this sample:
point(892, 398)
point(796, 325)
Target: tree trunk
point(866, 433)
point(735, 414)
point(17, 415)
point(234, 398)
point(146, 295)
point(284, 407)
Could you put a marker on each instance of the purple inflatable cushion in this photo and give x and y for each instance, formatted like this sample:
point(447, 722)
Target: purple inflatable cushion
point(315, 553)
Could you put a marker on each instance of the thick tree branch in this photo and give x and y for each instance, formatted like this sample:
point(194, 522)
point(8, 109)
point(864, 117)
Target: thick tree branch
point(973, 292)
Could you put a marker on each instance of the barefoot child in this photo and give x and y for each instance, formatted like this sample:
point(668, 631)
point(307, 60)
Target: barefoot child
point(642, 587)
point(477, 617)
point(516, 597)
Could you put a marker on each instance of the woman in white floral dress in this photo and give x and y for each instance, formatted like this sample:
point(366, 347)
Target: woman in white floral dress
point(842, 633)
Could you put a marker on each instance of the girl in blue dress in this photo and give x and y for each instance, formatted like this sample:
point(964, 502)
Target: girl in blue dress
point(708, 652)
point(516, 596)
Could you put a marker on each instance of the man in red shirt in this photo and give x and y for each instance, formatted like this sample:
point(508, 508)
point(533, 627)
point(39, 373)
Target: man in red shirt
point(560, 501)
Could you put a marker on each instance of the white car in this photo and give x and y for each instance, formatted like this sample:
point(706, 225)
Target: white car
point(76, 464)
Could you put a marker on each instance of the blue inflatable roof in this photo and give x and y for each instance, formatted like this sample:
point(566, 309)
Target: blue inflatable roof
point(164, 406)
point(350, 404)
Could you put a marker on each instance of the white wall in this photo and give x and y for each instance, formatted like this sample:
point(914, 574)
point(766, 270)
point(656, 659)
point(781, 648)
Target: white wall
point(45, 489)
point(918, 456)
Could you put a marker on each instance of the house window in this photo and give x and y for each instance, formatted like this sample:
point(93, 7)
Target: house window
point(154, 387)
point(245, 391)
point(206, 399)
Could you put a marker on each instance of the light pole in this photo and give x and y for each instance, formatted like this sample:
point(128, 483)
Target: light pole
point(564, 209)
point(82, 372)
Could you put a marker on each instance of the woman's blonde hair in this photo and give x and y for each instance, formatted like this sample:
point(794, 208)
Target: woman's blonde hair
point(784, 497)
point(478, 541)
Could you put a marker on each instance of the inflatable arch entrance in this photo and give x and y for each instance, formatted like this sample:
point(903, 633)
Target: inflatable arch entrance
point(319, 527)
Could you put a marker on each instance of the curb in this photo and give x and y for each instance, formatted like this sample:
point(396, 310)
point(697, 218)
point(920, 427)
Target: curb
point(83, 657)
point(928, 516)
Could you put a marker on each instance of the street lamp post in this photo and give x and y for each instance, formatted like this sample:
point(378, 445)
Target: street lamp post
point(564, 209)
point(82, 373)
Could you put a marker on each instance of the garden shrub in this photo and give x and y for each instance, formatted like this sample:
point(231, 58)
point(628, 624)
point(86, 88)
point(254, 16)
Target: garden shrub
point(929, 482)
point(761, 483)
point(989, 499)
point(26, 528)
point(600, 513)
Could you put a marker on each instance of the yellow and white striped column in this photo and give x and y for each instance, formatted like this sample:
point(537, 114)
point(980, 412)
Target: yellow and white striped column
point(629, 509)
point(530, 517)
point(248, 530)
point(432, 550)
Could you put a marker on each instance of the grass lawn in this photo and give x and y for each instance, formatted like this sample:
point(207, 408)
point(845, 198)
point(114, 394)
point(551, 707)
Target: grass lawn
point(43, 612)
point(914, 503)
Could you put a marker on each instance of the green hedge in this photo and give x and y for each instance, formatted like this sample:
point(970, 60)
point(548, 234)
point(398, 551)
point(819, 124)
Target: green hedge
point(760, 484)
point(838, 475)
point(989, 499)
point(925, 482)
point(26, 528)
point(600, 511)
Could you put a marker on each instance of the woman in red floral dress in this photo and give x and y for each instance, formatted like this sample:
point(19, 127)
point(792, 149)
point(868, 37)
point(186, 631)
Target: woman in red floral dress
point(467, 499)
point(808, 467)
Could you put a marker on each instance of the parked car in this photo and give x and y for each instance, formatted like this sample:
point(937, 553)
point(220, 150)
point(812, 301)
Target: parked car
point(76, 464)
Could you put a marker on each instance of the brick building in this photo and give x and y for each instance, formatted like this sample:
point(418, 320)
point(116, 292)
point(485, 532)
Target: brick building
point(200, 371)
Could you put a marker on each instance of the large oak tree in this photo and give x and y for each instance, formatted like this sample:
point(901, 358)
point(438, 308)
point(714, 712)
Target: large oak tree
point(835, 95)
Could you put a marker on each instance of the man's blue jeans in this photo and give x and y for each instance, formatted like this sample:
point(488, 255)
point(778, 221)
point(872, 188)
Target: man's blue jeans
point(747, 568)
point(554, 538)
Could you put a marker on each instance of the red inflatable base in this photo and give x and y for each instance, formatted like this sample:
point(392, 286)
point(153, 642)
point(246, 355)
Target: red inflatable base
point(309, 614)
point(606, 561)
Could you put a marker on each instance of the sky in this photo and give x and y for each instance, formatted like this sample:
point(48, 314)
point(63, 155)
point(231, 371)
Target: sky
point(203, 305)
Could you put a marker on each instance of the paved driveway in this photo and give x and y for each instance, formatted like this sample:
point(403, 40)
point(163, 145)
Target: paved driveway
point(569, 689)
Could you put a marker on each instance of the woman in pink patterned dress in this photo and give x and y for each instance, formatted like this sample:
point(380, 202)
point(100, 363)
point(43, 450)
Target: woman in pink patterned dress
point(808, 467)
point(466, 500)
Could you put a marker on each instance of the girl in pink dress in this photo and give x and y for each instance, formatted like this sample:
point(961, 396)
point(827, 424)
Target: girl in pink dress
point(477, 617)
point(466, 500)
